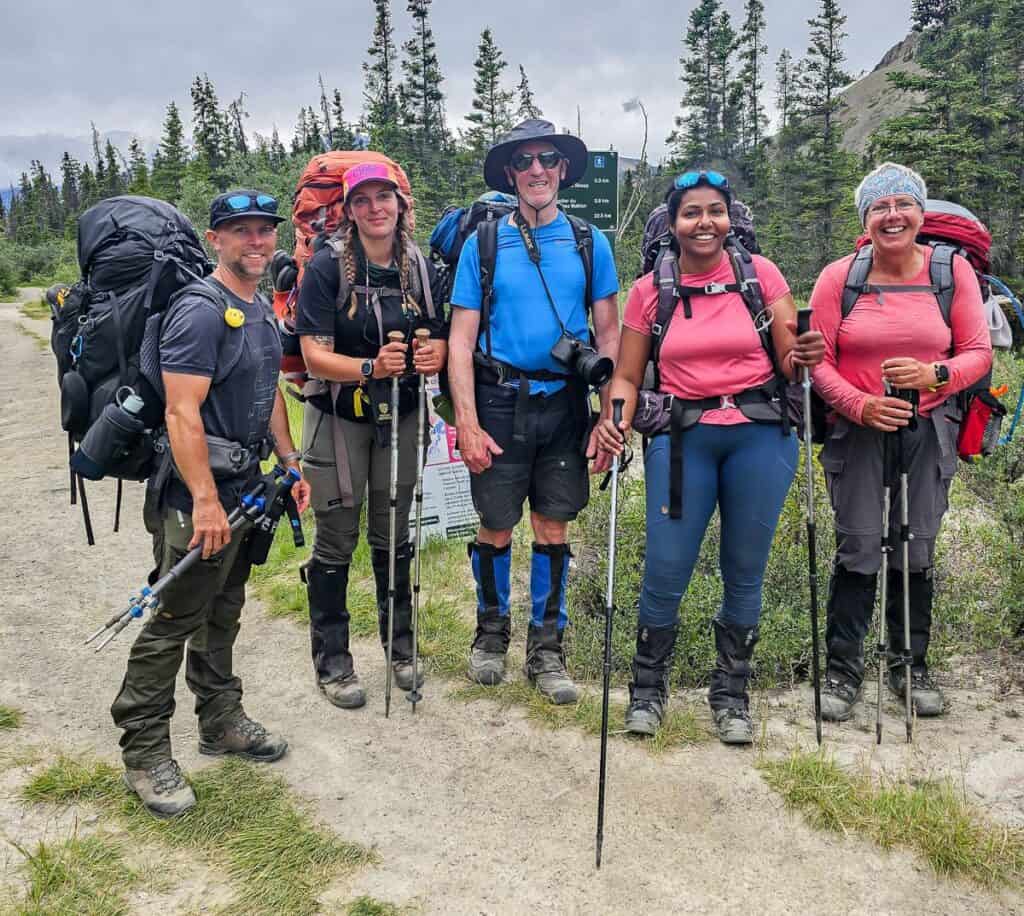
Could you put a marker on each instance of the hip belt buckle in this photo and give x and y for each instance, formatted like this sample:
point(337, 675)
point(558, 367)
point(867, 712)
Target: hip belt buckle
point(727, 401)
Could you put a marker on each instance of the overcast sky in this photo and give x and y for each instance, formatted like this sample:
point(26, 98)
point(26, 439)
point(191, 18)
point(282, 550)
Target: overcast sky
point(119, 62)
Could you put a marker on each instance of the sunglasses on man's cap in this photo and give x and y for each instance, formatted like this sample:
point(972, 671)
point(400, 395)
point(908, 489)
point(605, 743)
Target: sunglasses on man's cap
point(241, 203)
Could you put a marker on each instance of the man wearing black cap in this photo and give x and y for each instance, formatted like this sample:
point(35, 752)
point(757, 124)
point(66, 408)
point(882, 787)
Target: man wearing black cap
point(519, 376)
point(219, 356)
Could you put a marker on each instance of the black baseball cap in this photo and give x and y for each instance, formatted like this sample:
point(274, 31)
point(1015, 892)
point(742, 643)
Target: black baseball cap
point(243, 202)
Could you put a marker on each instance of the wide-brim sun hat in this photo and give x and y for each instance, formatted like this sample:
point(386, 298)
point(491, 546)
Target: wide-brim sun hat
point(498, 156)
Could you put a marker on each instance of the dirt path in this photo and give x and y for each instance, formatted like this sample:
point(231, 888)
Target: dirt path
point(472, 809)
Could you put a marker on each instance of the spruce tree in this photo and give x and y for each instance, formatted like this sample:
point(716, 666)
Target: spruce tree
point(752, 52)
point(88, 194)
point(236, 115)
point(138, 169)
point(209, 126)
point(697, 126)
point(70, 173)
point(341, 130)
point(276, 153)
point(423, 100)
point(932, 14)
point(528, 108)
point(380, 91)
point(300, 137)
point(492, 106)
point(115, 179)
point(786, 87)
point(172, 158)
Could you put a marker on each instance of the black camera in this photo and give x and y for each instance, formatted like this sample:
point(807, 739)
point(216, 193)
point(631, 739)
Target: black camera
point(584, 360)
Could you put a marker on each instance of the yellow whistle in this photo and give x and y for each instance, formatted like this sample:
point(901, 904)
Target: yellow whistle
point(235, 318)
point(358, 400)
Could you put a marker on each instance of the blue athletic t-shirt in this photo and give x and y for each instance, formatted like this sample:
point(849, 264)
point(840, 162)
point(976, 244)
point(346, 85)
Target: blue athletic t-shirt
point(523, 326)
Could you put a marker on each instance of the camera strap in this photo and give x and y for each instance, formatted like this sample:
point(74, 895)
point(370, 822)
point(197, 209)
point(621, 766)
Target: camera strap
point(533, 251)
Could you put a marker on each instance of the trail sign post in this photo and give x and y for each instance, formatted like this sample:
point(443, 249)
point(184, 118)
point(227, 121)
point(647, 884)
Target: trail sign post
point(595, 197)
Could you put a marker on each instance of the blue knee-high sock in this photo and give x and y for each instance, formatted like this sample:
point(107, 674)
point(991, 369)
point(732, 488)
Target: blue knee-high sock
point(492, 570)
point(549, 572)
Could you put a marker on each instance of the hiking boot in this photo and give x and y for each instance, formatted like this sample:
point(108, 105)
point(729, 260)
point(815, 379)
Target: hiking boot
point(345, 692)
point(925, 696)
point(245, 738)
point(727, 692)
point(734, 725)
point(401, 668)
point(546, 670)
point(487, 668)
point(161, 789)
point(838, 697)
point(648, 691)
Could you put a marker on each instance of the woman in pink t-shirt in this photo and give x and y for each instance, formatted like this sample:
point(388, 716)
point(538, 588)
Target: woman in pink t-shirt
point(894, 332)
point(726, 446)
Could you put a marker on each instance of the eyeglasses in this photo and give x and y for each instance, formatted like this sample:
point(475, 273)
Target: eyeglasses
point(901, 206)
point(548, 159)
point(239, 203)
point(692, 179)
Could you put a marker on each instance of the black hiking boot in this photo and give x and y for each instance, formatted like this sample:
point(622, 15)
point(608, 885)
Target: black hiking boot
point(545, 665)
point(491, 567)
point(401, 650)
point(648, 691)
point(545, 660)
point(727, 693)
point(326, 588)
point(851, 599)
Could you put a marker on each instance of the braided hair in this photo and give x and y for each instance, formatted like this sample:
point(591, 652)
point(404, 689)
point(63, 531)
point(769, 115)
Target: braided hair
point(403, 242)
point(350, 239)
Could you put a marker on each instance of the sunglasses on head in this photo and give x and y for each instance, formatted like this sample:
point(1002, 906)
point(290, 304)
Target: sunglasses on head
point(548, 159)
point(692, 179)
point(239, 203)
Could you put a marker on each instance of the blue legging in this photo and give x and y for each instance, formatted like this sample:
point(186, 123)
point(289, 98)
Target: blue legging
point(746, 470)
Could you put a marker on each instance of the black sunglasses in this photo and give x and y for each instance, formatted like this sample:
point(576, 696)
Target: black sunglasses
point(548, 159)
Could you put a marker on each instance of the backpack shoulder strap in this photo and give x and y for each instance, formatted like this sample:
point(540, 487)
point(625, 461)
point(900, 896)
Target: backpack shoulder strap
point(750, 292)
point(940, 272)
point(584, 236)
point(857, 279)
point(337, 248)
point(667, 283)
point(233, 344)
point(487, 245)
point(421, 281)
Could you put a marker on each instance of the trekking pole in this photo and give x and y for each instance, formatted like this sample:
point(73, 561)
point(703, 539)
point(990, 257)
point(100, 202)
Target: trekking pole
point(608, 609)
point(905, 537)
point(803, 325)
point(393, 336)
point(413, 696)
point(883, 597)
point(148, 597)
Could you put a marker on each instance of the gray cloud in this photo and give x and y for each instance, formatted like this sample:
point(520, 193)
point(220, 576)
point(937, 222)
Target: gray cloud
point(119, 64)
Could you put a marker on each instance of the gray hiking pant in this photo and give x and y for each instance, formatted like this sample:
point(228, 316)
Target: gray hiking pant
point(201, 608)
point(852, 460)
point(342, 462)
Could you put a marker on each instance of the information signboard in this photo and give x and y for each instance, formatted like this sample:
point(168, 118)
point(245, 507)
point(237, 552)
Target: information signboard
point(595, 197)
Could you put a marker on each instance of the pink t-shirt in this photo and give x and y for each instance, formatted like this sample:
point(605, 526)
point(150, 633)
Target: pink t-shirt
point(717, 351)
point(902, 324)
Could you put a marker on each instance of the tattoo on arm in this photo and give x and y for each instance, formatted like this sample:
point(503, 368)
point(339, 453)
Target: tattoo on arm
point(324, 341)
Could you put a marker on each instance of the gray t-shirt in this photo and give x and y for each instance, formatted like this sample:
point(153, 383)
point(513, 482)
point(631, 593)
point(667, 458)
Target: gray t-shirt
point(195, 339)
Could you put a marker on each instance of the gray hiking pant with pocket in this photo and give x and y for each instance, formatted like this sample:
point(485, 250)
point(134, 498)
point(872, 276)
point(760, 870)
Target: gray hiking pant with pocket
point(852, 461)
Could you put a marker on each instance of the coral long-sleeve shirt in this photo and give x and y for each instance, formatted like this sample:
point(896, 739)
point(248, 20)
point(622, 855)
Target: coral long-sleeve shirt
point(901, 324)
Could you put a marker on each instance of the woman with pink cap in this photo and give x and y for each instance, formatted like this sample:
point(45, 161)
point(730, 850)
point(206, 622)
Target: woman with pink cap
point(368, 280)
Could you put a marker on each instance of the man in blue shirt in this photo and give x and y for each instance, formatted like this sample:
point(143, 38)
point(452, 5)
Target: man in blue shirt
point(521, 412)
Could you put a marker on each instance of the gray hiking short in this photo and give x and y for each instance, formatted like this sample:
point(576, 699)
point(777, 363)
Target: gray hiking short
point(852, 460)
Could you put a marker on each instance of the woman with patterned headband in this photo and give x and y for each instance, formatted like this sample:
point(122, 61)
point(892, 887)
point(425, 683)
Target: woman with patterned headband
point(370, 279)
point(888, 346)
point(719, 437)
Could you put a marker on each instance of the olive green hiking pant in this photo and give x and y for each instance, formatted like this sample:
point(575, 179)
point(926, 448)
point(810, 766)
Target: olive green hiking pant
point(202, 608)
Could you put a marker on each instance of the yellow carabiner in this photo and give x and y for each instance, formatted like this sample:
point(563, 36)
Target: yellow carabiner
point(235, 318)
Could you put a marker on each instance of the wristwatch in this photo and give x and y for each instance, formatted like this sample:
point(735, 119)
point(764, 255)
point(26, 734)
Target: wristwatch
point(941, 376)
point(366, 369)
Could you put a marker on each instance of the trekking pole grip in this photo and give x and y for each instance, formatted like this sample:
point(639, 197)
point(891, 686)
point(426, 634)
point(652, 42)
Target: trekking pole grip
point(803, 321)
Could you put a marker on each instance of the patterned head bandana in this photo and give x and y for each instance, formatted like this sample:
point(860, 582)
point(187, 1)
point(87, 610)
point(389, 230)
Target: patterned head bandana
point(885, 181)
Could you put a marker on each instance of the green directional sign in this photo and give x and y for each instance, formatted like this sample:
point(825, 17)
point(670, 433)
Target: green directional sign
point(595, 197)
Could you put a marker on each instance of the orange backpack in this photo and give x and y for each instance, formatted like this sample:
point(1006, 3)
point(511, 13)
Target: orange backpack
point(317, 211)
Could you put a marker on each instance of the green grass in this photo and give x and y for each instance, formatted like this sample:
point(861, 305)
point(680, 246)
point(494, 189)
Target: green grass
point(41, 342)
point(36, 308)
point(245, 821)
point(680, 728)
point(368, 906)
point(10, 718)
point(931, 818)
point(82, 876)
